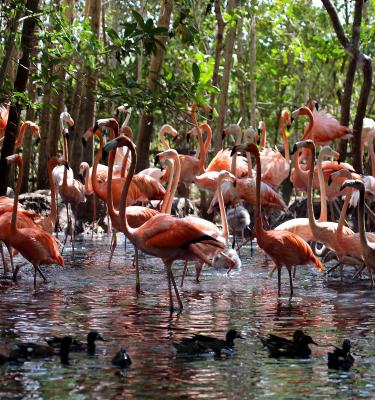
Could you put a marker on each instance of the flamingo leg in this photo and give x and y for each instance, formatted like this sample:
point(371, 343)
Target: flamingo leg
point(291, 281)
point(41, 274)
point(93, 213)
point(332, 268)
point(72, 232)
point(112, 247)
point(11, 257)
point(184, 272)
point(198, 270)
point(5, 265)
point(171, 278)
point(137, 279)
point(294, 271)
point(278, 280)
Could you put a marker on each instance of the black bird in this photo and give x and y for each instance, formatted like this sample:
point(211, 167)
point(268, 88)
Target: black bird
point(274, 340)
point(296, 348)
point(76, 346)
point(201, 344)
point(122, 359)
point(65, 344)
point(29, 350)
point(341, 359)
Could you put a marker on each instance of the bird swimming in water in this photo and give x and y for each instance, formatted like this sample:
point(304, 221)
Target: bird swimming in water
point(296, 348)
point(76, 345)
point(341, 359)
point(201, 344)
point(122, 359)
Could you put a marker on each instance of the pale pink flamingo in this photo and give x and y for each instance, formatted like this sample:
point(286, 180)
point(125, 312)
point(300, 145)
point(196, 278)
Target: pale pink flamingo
point(284, 248)
point(163, 236)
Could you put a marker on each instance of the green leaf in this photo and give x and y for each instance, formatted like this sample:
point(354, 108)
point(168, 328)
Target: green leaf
point(196, 72)
point(138, 17)
point(149, 26)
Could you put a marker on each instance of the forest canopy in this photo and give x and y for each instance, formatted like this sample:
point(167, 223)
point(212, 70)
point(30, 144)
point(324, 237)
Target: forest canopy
point(159, 57)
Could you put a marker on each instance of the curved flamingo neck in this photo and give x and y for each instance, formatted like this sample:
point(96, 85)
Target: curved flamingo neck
point(233, 166)
point(223, 214)
point(114, 214)
point(13, 226)
point(249, 165)
point(259, 230)
point(322, 186)
point(309, 114)
point(170, 169)
point(202, 157)
point(98, 156)
point(176, 179)
point(285, 138)
point(310, 209)
point(344, 211)
point(21, 135)
point(206, 128)
point(264, 136)
point(130, 232)
point(163, 140)
point(361, 218)
point(53, 212)
point(86, 172)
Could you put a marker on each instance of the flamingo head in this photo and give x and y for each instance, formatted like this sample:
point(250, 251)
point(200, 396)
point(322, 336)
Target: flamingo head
point(301, 111)
point(119, 141)
point(127, 131)
point(303, 144)
point(166, 128)
point(355, 184)
point(339, 177)
point(312, 105)
point(327, 151)
point(120, 109)
point(251, 136)
point(15, 159)
point(65, 117)
point(261, 127)
point(54, 161)
point(286, 117)
point(247, 148)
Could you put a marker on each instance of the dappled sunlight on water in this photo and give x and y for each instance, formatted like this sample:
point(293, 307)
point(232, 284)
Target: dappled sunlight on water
point(89, 296)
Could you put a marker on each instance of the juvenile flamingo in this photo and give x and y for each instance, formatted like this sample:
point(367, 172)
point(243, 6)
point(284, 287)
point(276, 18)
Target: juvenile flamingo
point(37, 246)
point(163, 236)
point(285, 248)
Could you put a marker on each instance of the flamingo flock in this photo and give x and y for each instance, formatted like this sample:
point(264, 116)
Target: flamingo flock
point(139, 206)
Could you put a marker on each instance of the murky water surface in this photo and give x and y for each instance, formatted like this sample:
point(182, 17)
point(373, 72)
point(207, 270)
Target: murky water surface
point(87, 296)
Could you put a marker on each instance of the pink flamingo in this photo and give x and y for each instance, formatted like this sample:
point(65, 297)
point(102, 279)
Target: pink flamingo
point(284, 248)
point(163, 236)
point(37, 246)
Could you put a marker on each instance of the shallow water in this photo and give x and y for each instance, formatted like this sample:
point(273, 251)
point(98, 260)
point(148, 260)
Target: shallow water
point(87, 296)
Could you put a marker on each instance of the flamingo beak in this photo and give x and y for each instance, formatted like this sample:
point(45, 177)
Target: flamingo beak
point(66, 134)
point(37, 140)
point(329, 180)
point(223, 136)
point(339, 160)
point(81, 178)
point(110, 145)
point(234, 150)
point(174, 138)
point(188, 137)
point(295, 148)
point(258, 140)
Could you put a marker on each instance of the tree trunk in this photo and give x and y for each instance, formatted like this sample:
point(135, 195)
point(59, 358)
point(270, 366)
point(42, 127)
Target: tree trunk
point(218, 49)
point(352, 48)
point(19, 86)
point(228, 53)
point(252, 64)
point(346, 103)
point(88, 98)
point(156, 63)
point(9, 49)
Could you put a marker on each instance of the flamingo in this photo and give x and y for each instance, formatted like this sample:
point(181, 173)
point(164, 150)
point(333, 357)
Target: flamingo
point(326, 127)
point(324, 232)
point(37, 246)
point(275, 166)
point(163, 236)
point(368, 249)
point(285, 248)
point(4, 114)
point(301, 226)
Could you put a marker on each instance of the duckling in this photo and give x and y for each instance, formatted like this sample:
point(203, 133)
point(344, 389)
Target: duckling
point(238, 220)
point(298, 348)
point(201, 344)
point(274, 340)
point(341, 359)
point(77, 346)
point(122, 359)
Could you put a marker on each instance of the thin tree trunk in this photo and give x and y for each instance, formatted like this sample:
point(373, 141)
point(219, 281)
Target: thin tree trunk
point(228, 53)
point(241, 71)
point(19, 86)
point(156, 63)
point(252, 65)
point(218, 49)
point(9, 48)
point(352, 48)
